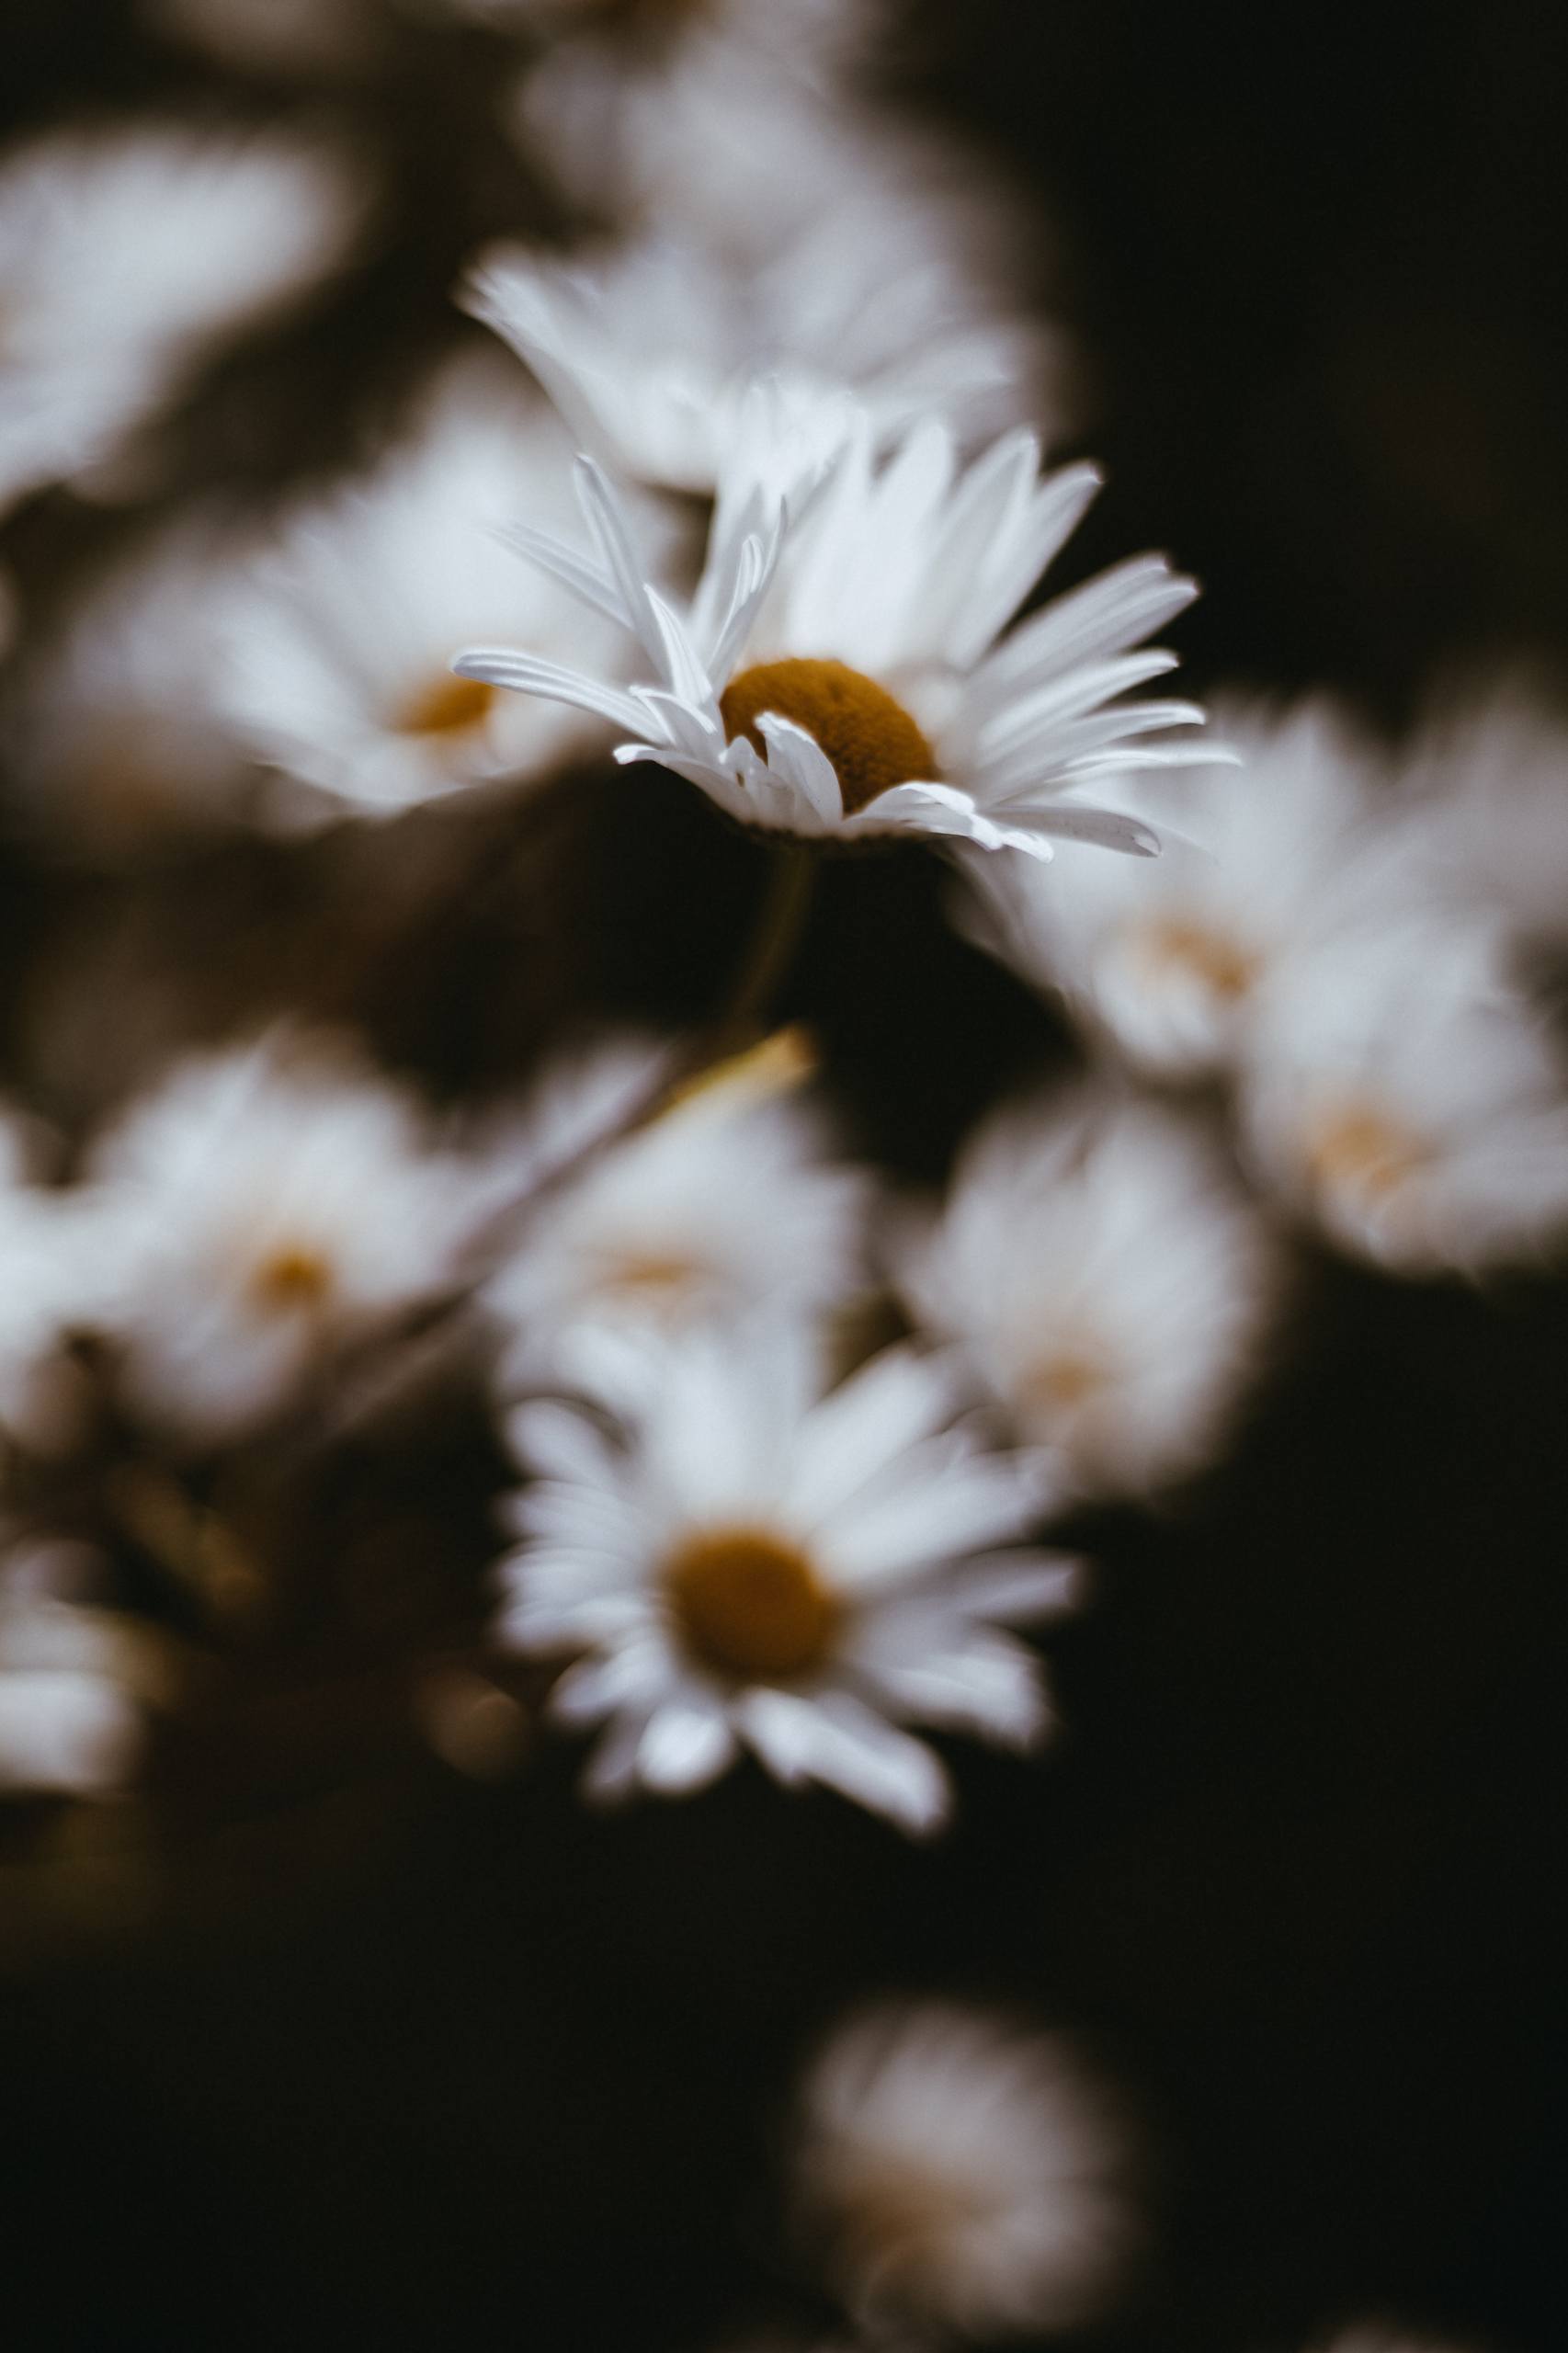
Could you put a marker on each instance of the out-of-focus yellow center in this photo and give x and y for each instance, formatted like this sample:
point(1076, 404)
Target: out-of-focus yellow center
point(291, 1277)
point(650, 1276)
point(447, 706)
point(1355, 1148)
point(1064, 1380)
point(748, 1604)
point(871, 739)
point(1226, 969)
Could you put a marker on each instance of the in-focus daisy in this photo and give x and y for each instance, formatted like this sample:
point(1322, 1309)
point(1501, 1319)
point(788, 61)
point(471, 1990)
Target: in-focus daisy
point(750, 1562)
point(128, 255)
point(263, 1206)
point(114, 733)
point(1168, 959)
point(1109, 1283)
point(340, 644)
point(963, 2173)
point(1402, 1094)
point(647, 348)
point(726, 1206)
point(843, 675)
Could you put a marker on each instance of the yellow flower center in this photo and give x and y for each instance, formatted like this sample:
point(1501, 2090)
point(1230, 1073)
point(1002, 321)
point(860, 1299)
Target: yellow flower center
point(748, 1604)
point(871, 739)
point(1062, 1381)
point(447, 706)
point(1355, 1148)
point(1175, 942)
point(292, 1278)
point(656, 1279)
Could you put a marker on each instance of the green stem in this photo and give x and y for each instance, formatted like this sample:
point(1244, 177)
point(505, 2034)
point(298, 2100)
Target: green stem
point(780, 921)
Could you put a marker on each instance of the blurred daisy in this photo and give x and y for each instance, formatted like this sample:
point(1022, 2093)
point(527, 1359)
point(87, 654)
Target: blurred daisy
point(339, 647)
point(754, 1563)
point(728, 1205)
point(963, 2173)
point(113, 732)
point(1400, 1093)
point(303, 37)
point(264, 1206)
point(1168, 959)
point(1490, 770)
point(842, 674)
point(647, 349)
point(1111, 1285)
point(50, 1284)
point(801, 36)
point(127, 256)
point(74, 1680)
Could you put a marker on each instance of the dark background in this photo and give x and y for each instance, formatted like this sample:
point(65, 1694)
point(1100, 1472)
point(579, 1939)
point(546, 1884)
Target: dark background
point(406, 2062)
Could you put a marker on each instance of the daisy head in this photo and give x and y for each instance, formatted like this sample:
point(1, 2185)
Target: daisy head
point(747, 1561)
point(963, 2173)
point(263, 1207)
point(1402, 1094)
point(1489, 771)
point(128, 255)
point(1109, 1283)
point(1166, 961)
point(844, 672)
point(338, 643)
point(728, 1205)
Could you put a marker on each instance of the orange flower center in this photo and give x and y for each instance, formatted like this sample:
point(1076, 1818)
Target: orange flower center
point(1225, 967)
point(1355, 1148)
point(871, 739)
point(447, 706)
point(749, 1605)
point(293, 1276)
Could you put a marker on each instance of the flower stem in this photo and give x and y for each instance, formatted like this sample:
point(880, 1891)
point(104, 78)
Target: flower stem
point(780, 921)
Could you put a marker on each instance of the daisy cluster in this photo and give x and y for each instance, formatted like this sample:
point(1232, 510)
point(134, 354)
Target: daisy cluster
point(738, 454)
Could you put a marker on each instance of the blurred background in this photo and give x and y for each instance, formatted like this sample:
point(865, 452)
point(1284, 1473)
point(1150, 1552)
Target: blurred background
point(375, 2050)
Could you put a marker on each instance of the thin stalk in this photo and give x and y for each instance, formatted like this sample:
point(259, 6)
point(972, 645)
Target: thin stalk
point(780, 921)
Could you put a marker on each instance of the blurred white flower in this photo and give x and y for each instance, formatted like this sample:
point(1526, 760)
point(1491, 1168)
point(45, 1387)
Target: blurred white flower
point(753, 1563)
point(114, 733)
point(339, 646)
point(1400, 1093)
point(1166, 959)
point(263, 1206)
point(305, 37)
point(647, 348)
point(128, 255)
point(963, 2173)
point(841, 674)
point(725, 1206)
point(802, 36)
point(73, 1679)
point(1489, 770)
point(50, 1284)
point(1110, 1284)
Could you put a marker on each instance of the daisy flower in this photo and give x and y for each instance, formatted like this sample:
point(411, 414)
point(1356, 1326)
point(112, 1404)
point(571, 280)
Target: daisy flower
point(1490, 768)
point(264, 1206)
point(727, 1206)
point(1166, 961)
point(753, 1563)
point(647, 348)
point(963, 2172)
point(339, 645)
point(1108, 1281)
point(841, 674)
point(113, 732)
point(127, 256)
point(73, 1679)
point(1401, 1094)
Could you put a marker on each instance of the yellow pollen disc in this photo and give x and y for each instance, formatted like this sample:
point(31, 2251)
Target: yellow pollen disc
point(1060, 1383)
point(1225, 969)
point(748, 1604)
point(447, 706)
point(650, 1275)
point(871, 739)
point(292, 1278)
point(1356, 1149)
